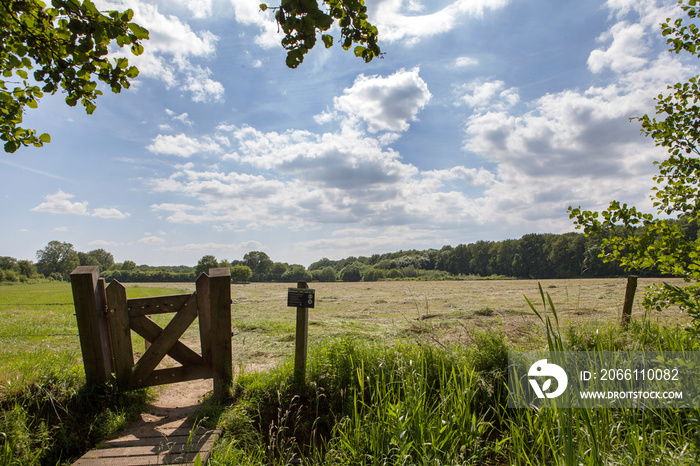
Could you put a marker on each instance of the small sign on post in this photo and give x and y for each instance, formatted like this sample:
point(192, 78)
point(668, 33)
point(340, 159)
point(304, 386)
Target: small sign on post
point(303, 298)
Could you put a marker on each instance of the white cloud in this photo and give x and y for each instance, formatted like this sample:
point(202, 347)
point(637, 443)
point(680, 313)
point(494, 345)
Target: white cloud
point(480, 94)
point(395, 25)
point(465, 62)
point(199, 8)
point(626, 51)
point(110, 213)
point(203, 88)
point(151, 240)
point(572, 147)
point(60, 203)
point(181, 145)
point(249, 13)
point(173, 45)
point(182, 118)
point(385, 103)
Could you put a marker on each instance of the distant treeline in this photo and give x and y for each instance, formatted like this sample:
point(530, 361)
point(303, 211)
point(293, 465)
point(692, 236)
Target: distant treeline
point(147, 273)
point(538, 256)
point(535, 256)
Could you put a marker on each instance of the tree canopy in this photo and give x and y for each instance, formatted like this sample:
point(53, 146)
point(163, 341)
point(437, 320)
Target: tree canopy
point(57, 258)
point(640, 240)
point(301, 20)
point(66, 46)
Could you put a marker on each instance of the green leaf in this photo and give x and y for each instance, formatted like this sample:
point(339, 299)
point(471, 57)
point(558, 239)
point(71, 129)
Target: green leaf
point(10, 146)
point(294, 58)
point(137, 49)
point(45, 138)
point(263, 7)
point(138, 31)
point(327, 40)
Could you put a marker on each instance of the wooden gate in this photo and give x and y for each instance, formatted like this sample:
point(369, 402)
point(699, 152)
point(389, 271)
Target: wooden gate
point(106, 318)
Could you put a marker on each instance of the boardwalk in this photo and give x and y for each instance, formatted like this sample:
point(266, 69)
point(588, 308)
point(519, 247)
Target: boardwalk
point(163, 435)
point(163, 446)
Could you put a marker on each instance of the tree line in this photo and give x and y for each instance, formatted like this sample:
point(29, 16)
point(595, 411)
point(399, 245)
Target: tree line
point(534, 256)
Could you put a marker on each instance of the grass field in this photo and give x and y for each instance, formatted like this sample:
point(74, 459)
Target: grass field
point(38, 327)
point(377, 352)
point(441, 312)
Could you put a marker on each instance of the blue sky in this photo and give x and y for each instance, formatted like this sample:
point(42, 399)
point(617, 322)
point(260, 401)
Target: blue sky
point(484, 120)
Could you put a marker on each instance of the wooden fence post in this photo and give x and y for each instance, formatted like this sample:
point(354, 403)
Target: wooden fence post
point(92, 324)
point(301, 345)
point(120, 331)
point(202, 286)
point(220, 309)
point(629, 300)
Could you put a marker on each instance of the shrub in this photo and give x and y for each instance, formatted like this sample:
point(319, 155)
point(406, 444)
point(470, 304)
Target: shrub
point(372, 275)
point(351, 273)
point(11, 276)
point(241, 273)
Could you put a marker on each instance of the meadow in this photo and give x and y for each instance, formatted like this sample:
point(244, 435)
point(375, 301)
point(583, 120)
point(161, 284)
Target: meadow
point(399, 372)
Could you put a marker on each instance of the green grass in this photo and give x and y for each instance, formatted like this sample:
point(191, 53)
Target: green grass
point(398, 373)
point(417, 403)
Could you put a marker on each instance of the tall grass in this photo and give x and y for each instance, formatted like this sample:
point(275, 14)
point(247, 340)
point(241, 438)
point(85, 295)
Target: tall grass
point(606, 436)
point(373, 403)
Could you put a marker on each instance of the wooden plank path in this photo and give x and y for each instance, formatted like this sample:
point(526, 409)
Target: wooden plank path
point(164, 434)
point(177, 445)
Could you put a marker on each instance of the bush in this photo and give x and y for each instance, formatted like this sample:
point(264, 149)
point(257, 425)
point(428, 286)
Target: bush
point(351, 273)
point(11, 276)
point(297, 274)
point(372, 275)
point(241, 273)
point(327, 275)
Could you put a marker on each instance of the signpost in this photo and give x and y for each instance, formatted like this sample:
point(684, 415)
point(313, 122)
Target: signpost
point(303, 298)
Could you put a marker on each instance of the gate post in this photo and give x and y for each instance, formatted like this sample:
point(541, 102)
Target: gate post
point(220, 309)
point(120, 332)
point(88, 293)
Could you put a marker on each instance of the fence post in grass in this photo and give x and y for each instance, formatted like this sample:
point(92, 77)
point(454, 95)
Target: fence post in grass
point(204, 314)
point(220, 315)
point(120, 331)
point(92, 323)
point(302, 333)
point(629, 300)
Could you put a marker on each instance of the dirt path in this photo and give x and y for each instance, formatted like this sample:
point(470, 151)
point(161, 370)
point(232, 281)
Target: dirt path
point(170, 410)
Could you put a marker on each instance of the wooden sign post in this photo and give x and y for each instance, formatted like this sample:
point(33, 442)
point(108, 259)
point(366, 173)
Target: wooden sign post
point(302, 298)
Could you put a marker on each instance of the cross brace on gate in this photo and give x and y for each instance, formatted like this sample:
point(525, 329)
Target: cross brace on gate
point(106, 318)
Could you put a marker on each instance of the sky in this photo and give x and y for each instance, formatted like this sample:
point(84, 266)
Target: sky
point(484, 120)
